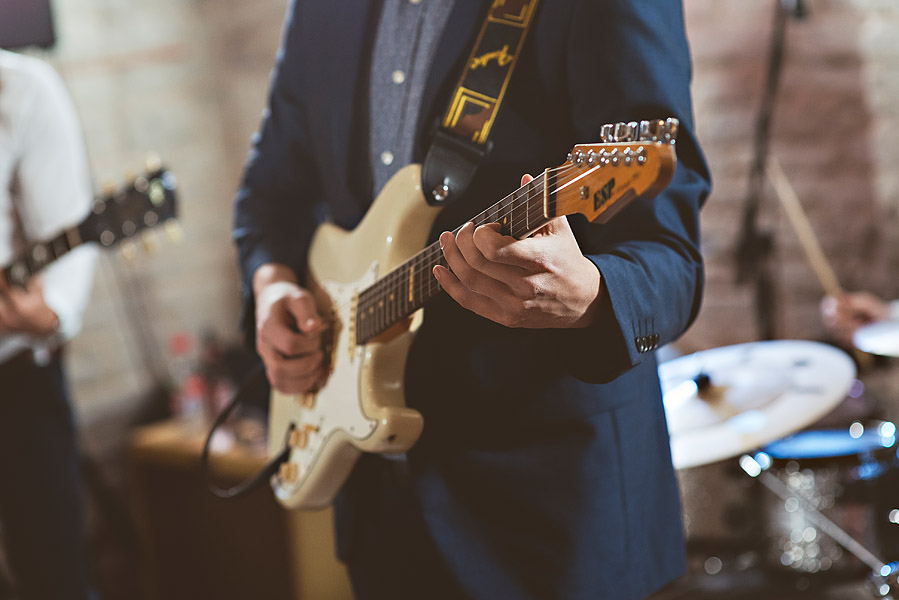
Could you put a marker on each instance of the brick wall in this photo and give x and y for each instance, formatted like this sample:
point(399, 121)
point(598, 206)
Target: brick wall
point(830, 132)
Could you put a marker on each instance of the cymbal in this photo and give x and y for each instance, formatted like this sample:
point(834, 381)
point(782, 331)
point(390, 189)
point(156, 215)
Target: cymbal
point(723, 402)
point(881, 338)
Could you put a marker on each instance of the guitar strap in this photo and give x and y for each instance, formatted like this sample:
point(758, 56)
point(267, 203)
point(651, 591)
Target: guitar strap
point(462, 141)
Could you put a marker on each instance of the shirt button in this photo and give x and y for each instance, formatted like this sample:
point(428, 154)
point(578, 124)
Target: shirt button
point(387, 157)
point(398, 77)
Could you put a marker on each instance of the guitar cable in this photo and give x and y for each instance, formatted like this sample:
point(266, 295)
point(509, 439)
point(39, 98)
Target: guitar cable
point(266, 472)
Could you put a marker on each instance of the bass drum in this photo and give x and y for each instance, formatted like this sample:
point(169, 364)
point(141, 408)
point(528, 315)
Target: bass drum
point(843, 473)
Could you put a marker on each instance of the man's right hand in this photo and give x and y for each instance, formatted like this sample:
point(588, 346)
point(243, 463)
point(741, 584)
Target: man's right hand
point(288, 331)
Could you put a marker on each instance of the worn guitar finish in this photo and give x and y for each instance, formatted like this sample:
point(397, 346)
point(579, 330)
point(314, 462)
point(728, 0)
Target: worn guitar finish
point(370, 286)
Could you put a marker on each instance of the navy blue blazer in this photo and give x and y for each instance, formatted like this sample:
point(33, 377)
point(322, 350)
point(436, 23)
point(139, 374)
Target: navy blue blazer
point(544, 469)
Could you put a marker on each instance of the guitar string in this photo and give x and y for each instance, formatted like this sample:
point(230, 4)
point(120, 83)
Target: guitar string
point(392, 283)
point(395, 283)
point(399, 283)
point(513, 201)
point(427, 255)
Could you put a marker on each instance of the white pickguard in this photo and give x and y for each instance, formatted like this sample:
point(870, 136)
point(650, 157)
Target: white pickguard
point(361, 407)
point(337, 409)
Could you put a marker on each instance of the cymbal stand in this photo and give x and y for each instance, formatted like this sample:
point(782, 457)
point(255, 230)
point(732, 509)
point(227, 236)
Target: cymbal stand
point(755, 248)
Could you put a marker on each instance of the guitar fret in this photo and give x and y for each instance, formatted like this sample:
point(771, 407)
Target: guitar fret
point(410, 285)
point(516, 221)
point(60, 245)
point(389, 299)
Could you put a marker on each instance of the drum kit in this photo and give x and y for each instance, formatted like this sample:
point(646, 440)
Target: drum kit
point(769, 485)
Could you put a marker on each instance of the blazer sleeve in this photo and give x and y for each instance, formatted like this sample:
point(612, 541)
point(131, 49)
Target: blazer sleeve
point(629, 60)
point(275, 207)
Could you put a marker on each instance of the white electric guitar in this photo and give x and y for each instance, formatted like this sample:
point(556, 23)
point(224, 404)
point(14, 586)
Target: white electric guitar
point(370, 285)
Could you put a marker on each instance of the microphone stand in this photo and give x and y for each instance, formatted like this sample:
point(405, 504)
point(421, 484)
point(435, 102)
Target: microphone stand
point(756, 246)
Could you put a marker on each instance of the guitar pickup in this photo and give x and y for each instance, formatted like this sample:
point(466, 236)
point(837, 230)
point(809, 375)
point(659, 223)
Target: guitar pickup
point(288, 472)
point(299, 436)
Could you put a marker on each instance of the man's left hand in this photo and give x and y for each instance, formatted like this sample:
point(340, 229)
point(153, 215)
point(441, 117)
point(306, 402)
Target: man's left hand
point(25, 311)
point(541, 281)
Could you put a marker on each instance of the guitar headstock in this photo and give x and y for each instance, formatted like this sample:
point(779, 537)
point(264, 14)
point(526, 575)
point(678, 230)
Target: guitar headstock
point(634, 159)
point(145, 202)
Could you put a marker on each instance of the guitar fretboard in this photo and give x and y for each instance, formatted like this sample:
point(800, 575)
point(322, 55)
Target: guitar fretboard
point(409, 286)
point(39, 255)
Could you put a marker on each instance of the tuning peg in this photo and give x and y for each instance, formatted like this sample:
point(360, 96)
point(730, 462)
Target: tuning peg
point(606, 133)
point(174, 231)
point(624, 132)
point(128, 250)
point(655, 130)
point(672, 126)
point(152, 162)
point(149, 242)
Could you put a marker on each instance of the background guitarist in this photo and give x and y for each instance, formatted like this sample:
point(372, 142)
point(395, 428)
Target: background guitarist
point(544, 468)
point(44, 187)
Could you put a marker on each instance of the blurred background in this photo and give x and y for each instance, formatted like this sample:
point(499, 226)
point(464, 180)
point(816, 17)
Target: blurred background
point(187, 79)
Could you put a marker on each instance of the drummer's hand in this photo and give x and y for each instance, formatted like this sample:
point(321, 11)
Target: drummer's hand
point(844, 314)
point(288, 331)
point(540, 281)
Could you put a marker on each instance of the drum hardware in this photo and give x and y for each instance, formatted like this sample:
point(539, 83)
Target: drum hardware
point(730, 402)
point(885, 582)
point(727, 401)
point(807, 553)
point(795, 499)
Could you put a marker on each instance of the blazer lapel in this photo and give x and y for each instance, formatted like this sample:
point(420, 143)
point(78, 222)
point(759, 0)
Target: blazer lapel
point(338, 71)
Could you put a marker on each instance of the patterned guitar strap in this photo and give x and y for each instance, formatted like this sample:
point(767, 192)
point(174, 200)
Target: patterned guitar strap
point(462, 141)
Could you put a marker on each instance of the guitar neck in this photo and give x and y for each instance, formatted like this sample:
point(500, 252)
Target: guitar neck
point(39, 255)
point(405, 289)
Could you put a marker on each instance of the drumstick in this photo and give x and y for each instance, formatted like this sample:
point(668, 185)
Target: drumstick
point(803, 228)
point(808, 240)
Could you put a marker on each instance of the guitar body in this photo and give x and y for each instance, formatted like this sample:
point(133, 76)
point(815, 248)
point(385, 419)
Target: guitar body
point(370, 285)
point(361, 407)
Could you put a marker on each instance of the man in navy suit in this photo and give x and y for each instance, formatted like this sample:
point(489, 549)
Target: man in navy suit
point(544, 468)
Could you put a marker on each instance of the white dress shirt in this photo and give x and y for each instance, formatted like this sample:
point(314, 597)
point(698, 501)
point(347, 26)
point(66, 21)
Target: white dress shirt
point(44, 188)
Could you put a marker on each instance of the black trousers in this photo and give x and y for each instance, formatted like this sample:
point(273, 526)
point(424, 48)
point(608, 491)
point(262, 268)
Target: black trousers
point(41, 498)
